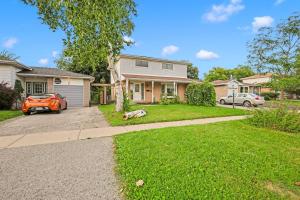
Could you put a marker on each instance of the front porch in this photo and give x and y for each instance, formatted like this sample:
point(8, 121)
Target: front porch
point(145, 89)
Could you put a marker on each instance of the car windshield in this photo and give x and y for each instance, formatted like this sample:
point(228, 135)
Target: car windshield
point(44, 96)
point(253, 95)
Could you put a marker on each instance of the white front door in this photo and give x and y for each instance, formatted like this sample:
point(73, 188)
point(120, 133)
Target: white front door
point(137, 92)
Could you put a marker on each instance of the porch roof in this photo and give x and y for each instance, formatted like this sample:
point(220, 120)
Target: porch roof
point(158, 78)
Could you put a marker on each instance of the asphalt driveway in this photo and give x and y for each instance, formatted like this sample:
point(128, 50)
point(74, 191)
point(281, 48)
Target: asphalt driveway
point(71, 170)
point(71, 119)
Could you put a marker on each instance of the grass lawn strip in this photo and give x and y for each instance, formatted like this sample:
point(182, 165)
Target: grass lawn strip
point(165, 113)
point(7, 114)
point(226, 160)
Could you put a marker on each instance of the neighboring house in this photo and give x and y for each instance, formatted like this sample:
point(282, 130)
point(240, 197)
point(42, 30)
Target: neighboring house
point(252, 84)
point(256, 83)
point(146, 79)
point(222, 88)
point(40, 80)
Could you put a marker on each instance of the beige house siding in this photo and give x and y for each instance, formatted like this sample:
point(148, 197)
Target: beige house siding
point(181, 87)
point(221, 91)
point(86, 93)
point(50, 85)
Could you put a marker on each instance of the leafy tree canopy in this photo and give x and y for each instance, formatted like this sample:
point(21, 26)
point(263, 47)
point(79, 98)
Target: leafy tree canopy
point(192, 72)
point(276, 50)
point(220, 73)
point(100, 71)
point(94, 29)
point(5, 55)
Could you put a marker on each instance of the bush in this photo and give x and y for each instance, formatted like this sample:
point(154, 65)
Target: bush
point(126, 102)
point(278, 119)
point(164, 100)
point(202, 94)
point(269, 95)
point(7, 96)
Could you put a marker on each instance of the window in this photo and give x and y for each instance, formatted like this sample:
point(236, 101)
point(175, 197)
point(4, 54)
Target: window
point(36, 88)
point(136, 87)
point(142, 89)
point(168, 89)
point(167, 66)
point(141, 63)
point(29, 88)
point(57, 81)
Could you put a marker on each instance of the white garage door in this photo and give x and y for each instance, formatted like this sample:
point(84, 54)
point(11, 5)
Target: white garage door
point(73, 93)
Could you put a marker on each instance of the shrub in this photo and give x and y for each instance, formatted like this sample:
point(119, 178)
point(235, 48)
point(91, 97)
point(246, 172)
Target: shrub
point(269, 95)
point(278, 119)
point(126, 102)
point(164, 100)
point(202, 94)
point(7, 96)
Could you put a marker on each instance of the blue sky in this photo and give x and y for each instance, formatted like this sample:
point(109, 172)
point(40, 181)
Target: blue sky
point(207, 33)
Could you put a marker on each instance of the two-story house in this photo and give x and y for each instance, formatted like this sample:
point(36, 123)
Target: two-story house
point(146, 79)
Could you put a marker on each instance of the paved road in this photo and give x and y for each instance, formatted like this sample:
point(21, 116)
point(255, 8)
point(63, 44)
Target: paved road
point(71, 119)
point(71, 170)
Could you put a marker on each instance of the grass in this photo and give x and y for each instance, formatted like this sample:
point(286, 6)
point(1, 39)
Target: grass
point(289, 103)
point(7, 114)
point(164, 113)
point(227, 160)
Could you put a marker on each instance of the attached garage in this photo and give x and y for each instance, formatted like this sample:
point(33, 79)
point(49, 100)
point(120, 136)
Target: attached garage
point(73, 93)
point(74, 86)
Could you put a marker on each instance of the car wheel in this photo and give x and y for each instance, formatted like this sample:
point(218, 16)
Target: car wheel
point(26, 113)
point(247, 104)
point(59, 110)
point(222, 101)
point(66, 107)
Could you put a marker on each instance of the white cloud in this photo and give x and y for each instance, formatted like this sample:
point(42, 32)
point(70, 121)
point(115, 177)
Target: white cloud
point(206, 55)
point(168, 50)
point(43, 61)
point(221, 12)
point(259, 22)
point(10, 42)
point(54, 54)
point(277, 2)
point(128, 39)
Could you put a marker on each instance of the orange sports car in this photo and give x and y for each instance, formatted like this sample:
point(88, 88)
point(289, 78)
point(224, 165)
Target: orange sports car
point(46, 102)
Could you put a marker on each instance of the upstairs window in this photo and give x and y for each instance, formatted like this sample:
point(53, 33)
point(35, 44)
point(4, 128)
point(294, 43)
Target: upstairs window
point(167, 66)
point(141, 63)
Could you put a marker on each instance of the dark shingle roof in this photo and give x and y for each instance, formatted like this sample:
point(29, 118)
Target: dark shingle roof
point(14, 63)
point(52, 72)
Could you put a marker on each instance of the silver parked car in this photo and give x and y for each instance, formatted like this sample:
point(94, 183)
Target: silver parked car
point(245, 99)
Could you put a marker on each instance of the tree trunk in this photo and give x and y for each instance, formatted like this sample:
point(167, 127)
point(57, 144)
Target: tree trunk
point(281, 94)
point(119, 97)
point(118, 85)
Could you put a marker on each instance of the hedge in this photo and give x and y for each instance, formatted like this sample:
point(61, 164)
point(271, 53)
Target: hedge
point(201, 94)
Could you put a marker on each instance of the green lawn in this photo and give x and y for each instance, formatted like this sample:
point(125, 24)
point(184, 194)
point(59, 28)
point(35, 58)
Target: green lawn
point(287, 102)
point(163, 113)
point(228, 160)
point(7, 114)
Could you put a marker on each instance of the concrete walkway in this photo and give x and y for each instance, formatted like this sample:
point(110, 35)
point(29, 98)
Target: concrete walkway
point(72, 135)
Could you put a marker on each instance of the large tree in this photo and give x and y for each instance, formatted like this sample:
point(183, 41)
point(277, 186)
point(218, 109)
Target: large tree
point(94, 30)
point(192, 72)
point(275, 50)
point(220, 73)
point(100, 71)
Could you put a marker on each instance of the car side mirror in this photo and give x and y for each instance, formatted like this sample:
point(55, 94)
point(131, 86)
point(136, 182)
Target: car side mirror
point(229, 96)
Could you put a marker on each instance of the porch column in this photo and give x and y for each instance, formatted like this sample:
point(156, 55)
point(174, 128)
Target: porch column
point(104, 95)
point(152, 99)
point(127, 84)
point(175, 88)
